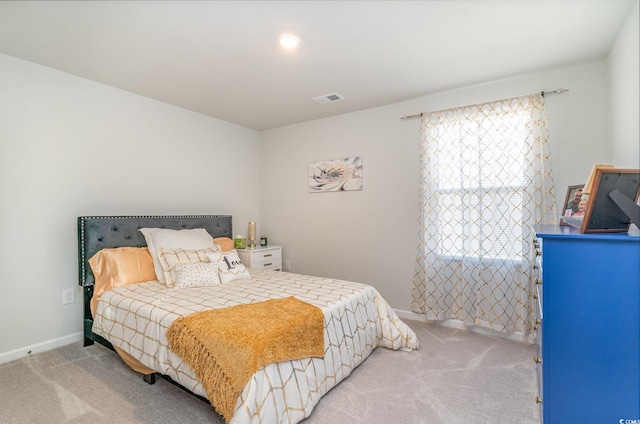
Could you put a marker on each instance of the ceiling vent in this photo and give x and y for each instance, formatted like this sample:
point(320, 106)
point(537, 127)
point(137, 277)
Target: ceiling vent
point(328, 98)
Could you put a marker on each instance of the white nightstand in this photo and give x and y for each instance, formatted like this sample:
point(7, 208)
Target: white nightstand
point(262, 257)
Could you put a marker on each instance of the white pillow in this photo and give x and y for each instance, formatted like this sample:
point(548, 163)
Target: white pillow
point(158, 238)
point(230, 267)
point(169, 258)
point(196, 274)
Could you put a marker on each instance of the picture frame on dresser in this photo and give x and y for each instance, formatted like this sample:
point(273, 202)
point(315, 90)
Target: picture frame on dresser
point(570, 197)
point(613, 201)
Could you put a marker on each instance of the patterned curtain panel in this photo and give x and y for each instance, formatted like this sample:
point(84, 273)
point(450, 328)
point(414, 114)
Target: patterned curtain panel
point(485, 180)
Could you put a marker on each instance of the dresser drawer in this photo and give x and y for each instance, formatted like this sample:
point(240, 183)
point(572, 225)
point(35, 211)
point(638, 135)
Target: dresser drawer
point(539, 366)
point(538, 323)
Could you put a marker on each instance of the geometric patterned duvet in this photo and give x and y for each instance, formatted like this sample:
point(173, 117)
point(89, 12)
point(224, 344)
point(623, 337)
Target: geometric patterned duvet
point(357, 319)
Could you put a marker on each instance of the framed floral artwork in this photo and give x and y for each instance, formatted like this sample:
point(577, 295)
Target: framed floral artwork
point(336, 175)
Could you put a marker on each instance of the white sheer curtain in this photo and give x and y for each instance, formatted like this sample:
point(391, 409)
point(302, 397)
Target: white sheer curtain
point(485, 180)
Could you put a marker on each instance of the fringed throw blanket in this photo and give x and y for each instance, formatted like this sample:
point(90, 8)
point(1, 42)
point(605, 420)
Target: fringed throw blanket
point(225, 347)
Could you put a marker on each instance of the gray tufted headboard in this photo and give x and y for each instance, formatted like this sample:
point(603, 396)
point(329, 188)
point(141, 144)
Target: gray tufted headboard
point(99, 232)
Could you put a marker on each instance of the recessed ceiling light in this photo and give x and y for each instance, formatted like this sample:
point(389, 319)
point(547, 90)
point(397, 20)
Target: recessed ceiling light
point(289, 41)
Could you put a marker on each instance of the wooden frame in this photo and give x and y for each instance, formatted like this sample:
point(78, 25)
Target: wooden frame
point(571, 190)
point(603, 215)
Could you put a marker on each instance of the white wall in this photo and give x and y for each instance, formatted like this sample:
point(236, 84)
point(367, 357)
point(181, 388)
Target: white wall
point(71, 147)
point(370, 236)
point(624, 79)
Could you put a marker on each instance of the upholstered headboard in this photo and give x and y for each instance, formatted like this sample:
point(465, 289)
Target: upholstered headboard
point(99, 232)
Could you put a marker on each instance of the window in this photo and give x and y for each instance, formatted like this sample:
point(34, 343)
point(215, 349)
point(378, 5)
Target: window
point(481, 170)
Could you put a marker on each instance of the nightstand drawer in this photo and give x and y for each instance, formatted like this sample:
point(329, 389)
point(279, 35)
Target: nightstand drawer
point(269, 258)
point(262, 257)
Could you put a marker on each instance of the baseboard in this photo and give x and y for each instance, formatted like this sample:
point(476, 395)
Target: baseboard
point(410, 315)
point(459, 325)
point(39, 347)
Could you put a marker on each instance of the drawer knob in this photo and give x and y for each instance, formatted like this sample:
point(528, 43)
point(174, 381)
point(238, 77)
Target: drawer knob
point(537, 359)
point(266, 256)
point(269, 264)
point(538, 399)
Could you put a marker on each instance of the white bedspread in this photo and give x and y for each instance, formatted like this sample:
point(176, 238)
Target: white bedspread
point(135, 318)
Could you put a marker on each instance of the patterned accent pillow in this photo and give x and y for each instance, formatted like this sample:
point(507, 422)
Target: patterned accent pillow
point(169, 258)
point(164, 238)
point(230, 267)
point(195, 274)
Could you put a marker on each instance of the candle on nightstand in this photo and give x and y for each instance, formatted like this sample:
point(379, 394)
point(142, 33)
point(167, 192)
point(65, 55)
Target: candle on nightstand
point(252, 235)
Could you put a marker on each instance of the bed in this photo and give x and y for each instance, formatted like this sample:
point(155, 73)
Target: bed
point(138, 318)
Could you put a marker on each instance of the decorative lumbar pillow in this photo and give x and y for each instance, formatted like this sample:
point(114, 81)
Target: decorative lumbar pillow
point(224, 243)
point(230, 267)
point(195, 274)
point(119, 267)
point(169, 258)
point(159, 238)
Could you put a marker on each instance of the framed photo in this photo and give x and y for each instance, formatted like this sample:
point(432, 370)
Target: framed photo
point(571, 205)
point(606, 215)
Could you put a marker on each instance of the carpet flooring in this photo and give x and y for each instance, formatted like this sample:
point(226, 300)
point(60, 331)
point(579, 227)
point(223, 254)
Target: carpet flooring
point(455, 377)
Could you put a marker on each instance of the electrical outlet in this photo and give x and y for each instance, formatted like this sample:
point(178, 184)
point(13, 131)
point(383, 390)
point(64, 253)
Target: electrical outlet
point(68, 296)
point(287, 264)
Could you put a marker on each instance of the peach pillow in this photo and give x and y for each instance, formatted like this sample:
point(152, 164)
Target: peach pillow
point(119, 267)
point(224, 243)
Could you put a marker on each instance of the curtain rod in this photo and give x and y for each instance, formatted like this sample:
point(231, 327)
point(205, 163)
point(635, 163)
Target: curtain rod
point(544, 93)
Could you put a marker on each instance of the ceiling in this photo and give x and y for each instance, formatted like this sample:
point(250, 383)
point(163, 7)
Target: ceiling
point(222, 58)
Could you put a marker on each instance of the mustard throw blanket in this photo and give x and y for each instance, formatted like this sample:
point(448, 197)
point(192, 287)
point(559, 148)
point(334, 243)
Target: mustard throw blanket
point(225, 347)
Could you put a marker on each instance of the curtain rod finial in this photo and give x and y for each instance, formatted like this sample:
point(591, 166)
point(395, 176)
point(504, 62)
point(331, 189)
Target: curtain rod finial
point(556, 91)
